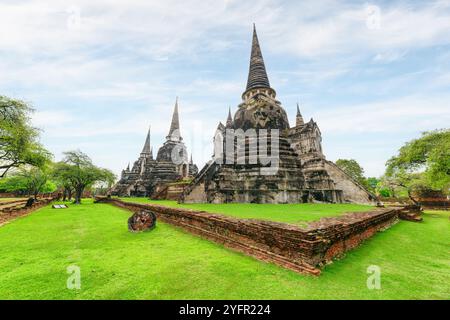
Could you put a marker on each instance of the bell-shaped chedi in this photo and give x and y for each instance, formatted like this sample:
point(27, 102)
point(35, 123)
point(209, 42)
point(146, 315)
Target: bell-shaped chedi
point(147, 175)
point(259, 131)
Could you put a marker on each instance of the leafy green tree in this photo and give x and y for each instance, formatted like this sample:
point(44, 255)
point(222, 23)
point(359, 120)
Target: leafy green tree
point(386, 187)
point(19, 143)
point(353, 169)
point(103, 187)
point(14, 183)
point(38, 180)
point(62, 184)
point(372, 184)
point(67, 191)
point(384, 192)
point(108, 180)
point(404, 181)
point(29, 180)
point(78, 170)
point(422, 163)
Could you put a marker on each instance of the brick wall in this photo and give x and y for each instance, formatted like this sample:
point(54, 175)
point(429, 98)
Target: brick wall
point(19, 211)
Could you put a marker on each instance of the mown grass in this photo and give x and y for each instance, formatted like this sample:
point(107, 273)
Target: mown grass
point(289, 213)
point(168, 263)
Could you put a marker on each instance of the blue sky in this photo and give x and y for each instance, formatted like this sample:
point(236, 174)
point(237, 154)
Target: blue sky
point(372, 74)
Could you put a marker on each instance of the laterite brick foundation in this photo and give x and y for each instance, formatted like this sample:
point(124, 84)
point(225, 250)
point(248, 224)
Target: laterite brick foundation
point(9, 214)
point(302, 249)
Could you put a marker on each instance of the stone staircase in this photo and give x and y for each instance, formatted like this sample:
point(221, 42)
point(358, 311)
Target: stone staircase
point(411, 213)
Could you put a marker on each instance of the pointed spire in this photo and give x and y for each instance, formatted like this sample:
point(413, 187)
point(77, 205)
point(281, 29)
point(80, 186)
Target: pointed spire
point(128, 167)
point(146, 148)
point(151, 152)
point(190, 161)
point(299, 118)
point(257, 75)
point(220, 126)
point(229, 119)
point(174, 131)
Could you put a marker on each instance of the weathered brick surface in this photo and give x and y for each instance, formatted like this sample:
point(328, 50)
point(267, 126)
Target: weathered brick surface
point(438, 203)
point(411, 213)
point(302, 249)
point(9, 214)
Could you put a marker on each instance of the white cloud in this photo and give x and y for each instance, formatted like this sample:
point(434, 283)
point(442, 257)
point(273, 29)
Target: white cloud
point(409, 114)
point(164, 28)
point(51, 119)
point(125, 55)
point(389, 56)
point(344, 29)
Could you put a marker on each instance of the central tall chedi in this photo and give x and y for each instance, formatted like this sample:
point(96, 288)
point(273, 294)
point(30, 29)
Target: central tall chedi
point(259, 158)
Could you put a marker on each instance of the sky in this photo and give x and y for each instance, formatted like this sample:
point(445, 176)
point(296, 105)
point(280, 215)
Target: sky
point(373, 75)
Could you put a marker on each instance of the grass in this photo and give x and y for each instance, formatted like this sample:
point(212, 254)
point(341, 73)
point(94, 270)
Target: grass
point(289, 213)
point(168, 263)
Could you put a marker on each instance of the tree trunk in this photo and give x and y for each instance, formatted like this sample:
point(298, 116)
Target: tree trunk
point(78, 194)
point(64, 194)
point(6, 171)
point(412, 199)
point(69, 194)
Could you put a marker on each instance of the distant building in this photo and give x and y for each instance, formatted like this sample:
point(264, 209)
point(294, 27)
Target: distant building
point(302, 173)
point(147, 174)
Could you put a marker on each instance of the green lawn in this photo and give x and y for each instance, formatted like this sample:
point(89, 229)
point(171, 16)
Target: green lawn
point(289, 213)
point(168, 263)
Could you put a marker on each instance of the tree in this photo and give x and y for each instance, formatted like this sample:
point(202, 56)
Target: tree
point(102, 187)
point(62, 183)
point(36, 179)
point(384, 188)
point(353, 169)
point(422, 163)
point(402, 180)
point(77, 170)
point(19, 143)
point(14, 183)
point(372, 184)
point(30, 181)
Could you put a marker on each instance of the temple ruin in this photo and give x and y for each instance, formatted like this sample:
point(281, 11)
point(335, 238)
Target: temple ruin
point(259, 158)
point(148, 175)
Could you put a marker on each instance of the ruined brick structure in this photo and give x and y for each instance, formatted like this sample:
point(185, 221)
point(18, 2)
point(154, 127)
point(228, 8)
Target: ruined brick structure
point(239, 172)
point(11, 210)
point(147, 174)
point(304, 249)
